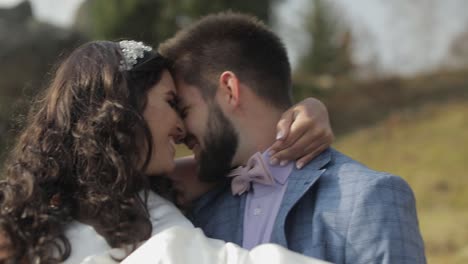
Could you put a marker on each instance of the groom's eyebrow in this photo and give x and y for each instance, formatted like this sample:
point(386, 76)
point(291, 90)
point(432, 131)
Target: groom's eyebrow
point(180, 101)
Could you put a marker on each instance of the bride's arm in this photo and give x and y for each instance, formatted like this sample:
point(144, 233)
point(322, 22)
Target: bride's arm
point(175, 241)
point(182, 245)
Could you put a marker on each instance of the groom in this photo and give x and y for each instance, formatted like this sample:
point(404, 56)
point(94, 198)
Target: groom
point(234, 80)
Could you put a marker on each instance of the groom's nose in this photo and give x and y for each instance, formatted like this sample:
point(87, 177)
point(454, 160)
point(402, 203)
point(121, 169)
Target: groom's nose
point(180, 132)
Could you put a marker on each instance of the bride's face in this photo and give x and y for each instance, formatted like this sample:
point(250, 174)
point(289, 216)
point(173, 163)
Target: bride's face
point(164, 123)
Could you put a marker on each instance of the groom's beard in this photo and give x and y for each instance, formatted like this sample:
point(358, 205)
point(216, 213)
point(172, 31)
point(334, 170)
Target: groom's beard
point(220, 143)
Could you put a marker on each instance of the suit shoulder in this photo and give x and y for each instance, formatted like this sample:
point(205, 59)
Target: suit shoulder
point(352, 176)
point(344, 166)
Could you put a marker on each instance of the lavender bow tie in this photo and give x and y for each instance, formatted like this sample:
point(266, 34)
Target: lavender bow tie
point(255, 171)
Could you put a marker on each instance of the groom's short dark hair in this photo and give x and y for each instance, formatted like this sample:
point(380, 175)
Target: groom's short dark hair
point(231, 42)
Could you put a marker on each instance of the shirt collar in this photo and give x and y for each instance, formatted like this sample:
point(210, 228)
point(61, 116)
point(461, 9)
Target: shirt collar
point(279, 173)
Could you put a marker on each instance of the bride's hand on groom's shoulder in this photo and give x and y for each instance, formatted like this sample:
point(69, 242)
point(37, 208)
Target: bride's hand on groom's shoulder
point(304, 131)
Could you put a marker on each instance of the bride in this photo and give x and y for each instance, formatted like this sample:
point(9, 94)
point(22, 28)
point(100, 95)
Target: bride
point(76, 186)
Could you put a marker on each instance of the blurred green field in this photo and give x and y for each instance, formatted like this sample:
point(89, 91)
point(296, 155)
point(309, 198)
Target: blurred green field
point(427, 146)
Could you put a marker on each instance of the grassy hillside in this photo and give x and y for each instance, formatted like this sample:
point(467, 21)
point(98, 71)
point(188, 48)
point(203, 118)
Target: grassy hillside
point(355, 104)
point(427, 146)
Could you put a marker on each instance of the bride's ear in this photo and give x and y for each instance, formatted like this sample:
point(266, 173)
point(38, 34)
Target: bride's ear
point(229, 89)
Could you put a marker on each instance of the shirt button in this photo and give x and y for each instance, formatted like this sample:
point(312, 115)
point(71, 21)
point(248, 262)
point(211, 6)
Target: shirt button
point(257, 211)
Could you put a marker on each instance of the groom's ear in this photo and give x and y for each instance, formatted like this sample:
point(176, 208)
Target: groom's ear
point(229, 91)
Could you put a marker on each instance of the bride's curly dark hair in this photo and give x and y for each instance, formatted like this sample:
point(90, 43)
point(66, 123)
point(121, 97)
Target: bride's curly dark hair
point(78, 157)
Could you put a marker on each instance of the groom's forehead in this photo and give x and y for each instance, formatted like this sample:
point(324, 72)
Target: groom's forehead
point(188, 94)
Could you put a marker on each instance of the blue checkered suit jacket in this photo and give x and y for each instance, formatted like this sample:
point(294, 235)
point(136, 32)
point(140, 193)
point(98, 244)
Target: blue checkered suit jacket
point(334, 209)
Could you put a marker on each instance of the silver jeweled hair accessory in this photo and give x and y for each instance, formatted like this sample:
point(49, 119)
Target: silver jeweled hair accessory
point(132, 51)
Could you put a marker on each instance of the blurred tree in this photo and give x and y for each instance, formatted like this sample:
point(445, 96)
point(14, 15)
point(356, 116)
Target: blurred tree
point(148, 21)
point(458, 52)
point(155, 21)
point(28, 49)
point(330, 48)
point(259, 8)
point(414, 28)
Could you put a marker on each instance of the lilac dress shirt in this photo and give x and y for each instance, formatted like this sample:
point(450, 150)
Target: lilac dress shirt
point(263, 203)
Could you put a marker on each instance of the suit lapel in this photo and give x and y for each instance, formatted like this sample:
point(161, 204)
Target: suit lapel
point(220, 215)
point(299, 182)
point(239, 239)
point(231, 210)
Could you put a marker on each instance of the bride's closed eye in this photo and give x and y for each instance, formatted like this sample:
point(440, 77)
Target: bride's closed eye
point(172, 100)
point(173, 103)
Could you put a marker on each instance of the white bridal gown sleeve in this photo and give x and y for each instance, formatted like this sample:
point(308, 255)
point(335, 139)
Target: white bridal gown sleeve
point(176, 241)
point(87, 244)
point(182, 245)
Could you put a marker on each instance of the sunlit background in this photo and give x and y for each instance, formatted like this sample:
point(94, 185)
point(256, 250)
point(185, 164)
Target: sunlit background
point(393, 74)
